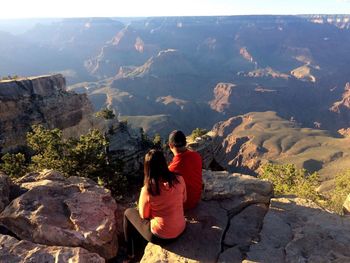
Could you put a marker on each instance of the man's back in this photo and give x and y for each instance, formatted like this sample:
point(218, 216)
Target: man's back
point(188, 164)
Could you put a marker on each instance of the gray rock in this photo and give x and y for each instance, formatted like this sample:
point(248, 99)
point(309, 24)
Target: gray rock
point(297, 230)
point(223, 185)
point(4, 190)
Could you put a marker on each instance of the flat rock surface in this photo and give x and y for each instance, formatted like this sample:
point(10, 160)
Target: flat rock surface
point(16, 251)
point(59, 211)
point(297, 230)
point(222, 226)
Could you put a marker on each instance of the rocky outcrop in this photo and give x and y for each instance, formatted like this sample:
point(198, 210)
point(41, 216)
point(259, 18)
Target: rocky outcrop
point(222, 93)
point(126, 145)
point(125, 49)
point(165, 63)
point(343, 104)
point(342, 107)
point(223, 226)
point(4, 191)
point(43, 100)
point(245, 142)
point(222, 185)
point(231, 225)
point(16, 251)
point(58, 211)
point(297, 230)
point(344, 132)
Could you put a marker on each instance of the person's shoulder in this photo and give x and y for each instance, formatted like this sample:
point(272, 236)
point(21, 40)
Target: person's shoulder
point(194, 154)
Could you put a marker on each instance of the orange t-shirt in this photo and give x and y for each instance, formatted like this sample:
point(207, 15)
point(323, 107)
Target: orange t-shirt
point(165, 210)
point(188, 164)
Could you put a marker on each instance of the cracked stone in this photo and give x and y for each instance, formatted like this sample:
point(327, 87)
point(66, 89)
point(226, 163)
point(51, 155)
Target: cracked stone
point(297, 230)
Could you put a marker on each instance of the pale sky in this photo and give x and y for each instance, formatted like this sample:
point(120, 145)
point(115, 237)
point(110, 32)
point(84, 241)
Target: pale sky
point(127, 8)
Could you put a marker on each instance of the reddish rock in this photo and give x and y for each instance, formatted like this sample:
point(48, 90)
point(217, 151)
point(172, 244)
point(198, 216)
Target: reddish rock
point(56, 211)
point(18, 251)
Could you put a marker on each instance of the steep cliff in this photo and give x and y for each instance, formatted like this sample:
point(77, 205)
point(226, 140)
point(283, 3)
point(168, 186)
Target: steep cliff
point(43, 99)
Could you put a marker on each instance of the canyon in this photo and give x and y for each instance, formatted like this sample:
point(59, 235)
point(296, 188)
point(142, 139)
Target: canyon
point(268, 89)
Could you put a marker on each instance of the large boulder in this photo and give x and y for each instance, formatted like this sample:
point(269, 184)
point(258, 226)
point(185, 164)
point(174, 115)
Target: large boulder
point(297, 230)
point(223, 185)
point(59, 211)
point(4, 190)
point(224, 224)
point(16, 251)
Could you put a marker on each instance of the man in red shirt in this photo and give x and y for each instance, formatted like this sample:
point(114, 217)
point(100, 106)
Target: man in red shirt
point(188, 164)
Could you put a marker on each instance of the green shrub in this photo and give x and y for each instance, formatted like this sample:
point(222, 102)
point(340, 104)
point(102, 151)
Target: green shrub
point(340, 192)
point(86, 156)
point(49, 149)
point(288, 180)
point(14, 165)
point(198, 132)
point(106, 114)
point(157, 141)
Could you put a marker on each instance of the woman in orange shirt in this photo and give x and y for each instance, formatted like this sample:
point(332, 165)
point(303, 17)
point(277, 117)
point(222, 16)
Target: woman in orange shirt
point(160, 217)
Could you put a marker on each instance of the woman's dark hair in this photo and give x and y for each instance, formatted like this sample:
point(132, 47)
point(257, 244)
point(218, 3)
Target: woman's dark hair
point(156, 170)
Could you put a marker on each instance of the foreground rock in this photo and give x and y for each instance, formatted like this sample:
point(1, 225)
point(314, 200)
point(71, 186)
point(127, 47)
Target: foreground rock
point(223, 225)
point(297, 230)
point(4, 190)
point(13, 250)
point(56, 211)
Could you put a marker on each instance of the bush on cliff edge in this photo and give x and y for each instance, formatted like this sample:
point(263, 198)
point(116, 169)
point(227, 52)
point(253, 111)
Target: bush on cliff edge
point(288, 180)
point(86, 156)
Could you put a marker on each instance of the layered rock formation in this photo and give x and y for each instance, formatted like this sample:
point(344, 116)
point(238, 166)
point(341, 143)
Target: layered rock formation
point(52, 210)
point(245, 142)
point(342, 107)
point(222, 93)
point(43, 100)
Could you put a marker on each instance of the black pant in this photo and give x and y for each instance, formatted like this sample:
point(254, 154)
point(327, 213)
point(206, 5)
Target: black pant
point(137, 231)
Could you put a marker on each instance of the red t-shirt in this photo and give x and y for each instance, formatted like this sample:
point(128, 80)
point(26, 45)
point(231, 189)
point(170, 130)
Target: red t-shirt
point(188, 164)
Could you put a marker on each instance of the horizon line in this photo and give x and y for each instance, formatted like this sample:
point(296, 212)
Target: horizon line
point(163, 16)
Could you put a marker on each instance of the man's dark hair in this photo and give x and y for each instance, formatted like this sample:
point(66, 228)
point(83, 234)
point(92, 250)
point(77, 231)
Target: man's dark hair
point(177, 138)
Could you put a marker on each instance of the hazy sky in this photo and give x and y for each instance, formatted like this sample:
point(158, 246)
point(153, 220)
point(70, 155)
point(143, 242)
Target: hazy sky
point(110, 8)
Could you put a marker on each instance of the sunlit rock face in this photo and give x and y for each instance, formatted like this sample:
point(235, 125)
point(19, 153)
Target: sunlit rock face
point(57, 211)
point(38, 100)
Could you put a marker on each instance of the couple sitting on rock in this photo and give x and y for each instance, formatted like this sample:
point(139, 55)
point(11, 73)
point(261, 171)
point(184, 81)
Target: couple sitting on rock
point(166, 192)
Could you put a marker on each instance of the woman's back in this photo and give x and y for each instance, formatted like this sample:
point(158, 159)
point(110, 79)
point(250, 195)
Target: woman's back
point(166, 209)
